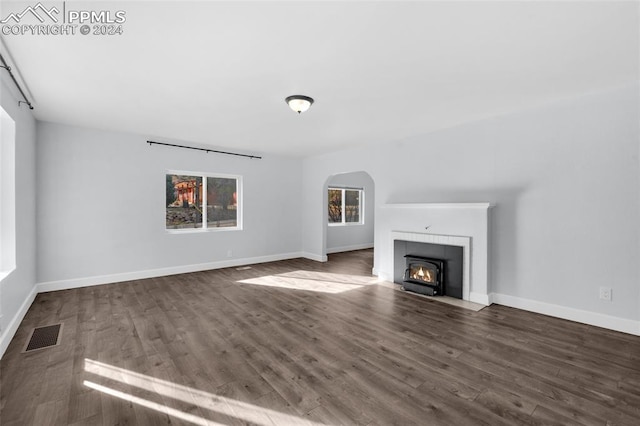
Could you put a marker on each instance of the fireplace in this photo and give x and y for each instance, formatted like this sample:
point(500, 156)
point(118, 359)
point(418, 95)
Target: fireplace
point(424, 275)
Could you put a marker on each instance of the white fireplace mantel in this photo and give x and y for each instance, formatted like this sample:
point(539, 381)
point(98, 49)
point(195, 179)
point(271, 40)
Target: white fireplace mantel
point(458, 224)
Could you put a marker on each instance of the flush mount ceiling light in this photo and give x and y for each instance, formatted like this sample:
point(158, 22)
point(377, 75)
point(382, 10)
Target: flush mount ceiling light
point(299, 103)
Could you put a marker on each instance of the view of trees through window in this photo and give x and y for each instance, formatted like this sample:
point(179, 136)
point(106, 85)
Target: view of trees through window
point(335, 205)
point(345, 206)
point(222, 202)
point(187, 194)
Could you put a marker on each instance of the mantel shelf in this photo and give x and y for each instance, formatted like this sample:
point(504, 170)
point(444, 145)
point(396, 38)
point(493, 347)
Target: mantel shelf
point(438, 206)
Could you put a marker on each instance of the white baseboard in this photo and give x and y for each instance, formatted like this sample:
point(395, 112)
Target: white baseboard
point(161, 272)
point(482, 299)
point(10, 331)
point(572, 314)
point(383, 276)
point(313, 256)
point(349, 248)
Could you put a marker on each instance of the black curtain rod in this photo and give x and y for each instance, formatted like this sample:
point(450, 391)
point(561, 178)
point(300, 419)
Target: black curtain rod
point(8, 68)
point(204, 149)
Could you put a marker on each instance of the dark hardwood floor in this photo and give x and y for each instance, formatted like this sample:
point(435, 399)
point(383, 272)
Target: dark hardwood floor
point(299, 342)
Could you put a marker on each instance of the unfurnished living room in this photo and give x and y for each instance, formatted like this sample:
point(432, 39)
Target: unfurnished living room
point(320, 213)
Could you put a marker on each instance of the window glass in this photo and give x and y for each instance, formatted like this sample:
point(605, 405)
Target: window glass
point(184, 201)
point(8, 207)
point(222, 202)
point(335, 206)
point(352, 206)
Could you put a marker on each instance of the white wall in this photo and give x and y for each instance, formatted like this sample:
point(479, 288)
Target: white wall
point(353, 237)
point(18, 288)
point(101, 209)
point(564, 179)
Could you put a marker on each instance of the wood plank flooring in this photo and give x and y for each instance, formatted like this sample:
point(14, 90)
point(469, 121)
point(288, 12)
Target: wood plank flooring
point(300, 342)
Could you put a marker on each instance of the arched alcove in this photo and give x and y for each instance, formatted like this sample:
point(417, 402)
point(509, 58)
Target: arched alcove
point(338, 238)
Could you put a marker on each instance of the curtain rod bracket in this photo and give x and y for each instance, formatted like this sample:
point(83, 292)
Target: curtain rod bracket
point(23, 102)
point(8, 68)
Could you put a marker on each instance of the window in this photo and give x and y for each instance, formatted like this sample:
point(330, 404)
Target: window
point(7, 194)
point(188, 193)
point(345, 206)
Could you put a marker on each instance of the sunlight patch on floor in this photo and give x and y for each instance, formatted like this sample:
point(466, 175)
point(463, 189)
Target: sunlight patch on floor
point(243, 411)
point(323, 282)
point(197, 420)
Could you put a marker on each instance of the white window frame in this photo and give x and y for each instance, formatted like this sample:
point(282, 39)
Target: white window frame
point(204, 228)
point(7, 194)
point(343, 210)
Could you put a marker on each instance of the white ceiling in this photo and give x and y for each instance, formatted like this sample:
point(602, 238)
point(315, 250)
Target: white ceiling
point(217, 73)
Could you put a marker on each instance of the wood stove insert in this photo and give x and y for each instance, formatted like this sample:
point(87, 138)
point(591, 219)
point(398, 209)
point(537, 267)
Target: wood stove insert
point(424, 275)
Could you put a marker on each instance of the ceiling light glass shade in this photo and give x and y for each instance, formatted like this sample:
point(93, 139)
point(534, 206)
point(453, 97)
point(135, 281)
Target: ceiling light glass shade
point(299, 103)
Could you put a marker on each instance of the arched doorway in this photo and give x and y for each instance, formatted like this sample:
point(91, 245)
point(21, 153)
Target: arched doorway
point(349, 212)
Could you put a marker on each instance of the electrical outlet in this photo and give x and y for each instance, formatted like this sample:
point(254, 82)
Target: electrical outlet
point(229, 253)
point(605, 293)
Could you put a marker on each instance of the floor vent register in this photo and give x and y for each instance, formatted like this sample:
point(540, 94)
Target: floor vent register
point(44, 337)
